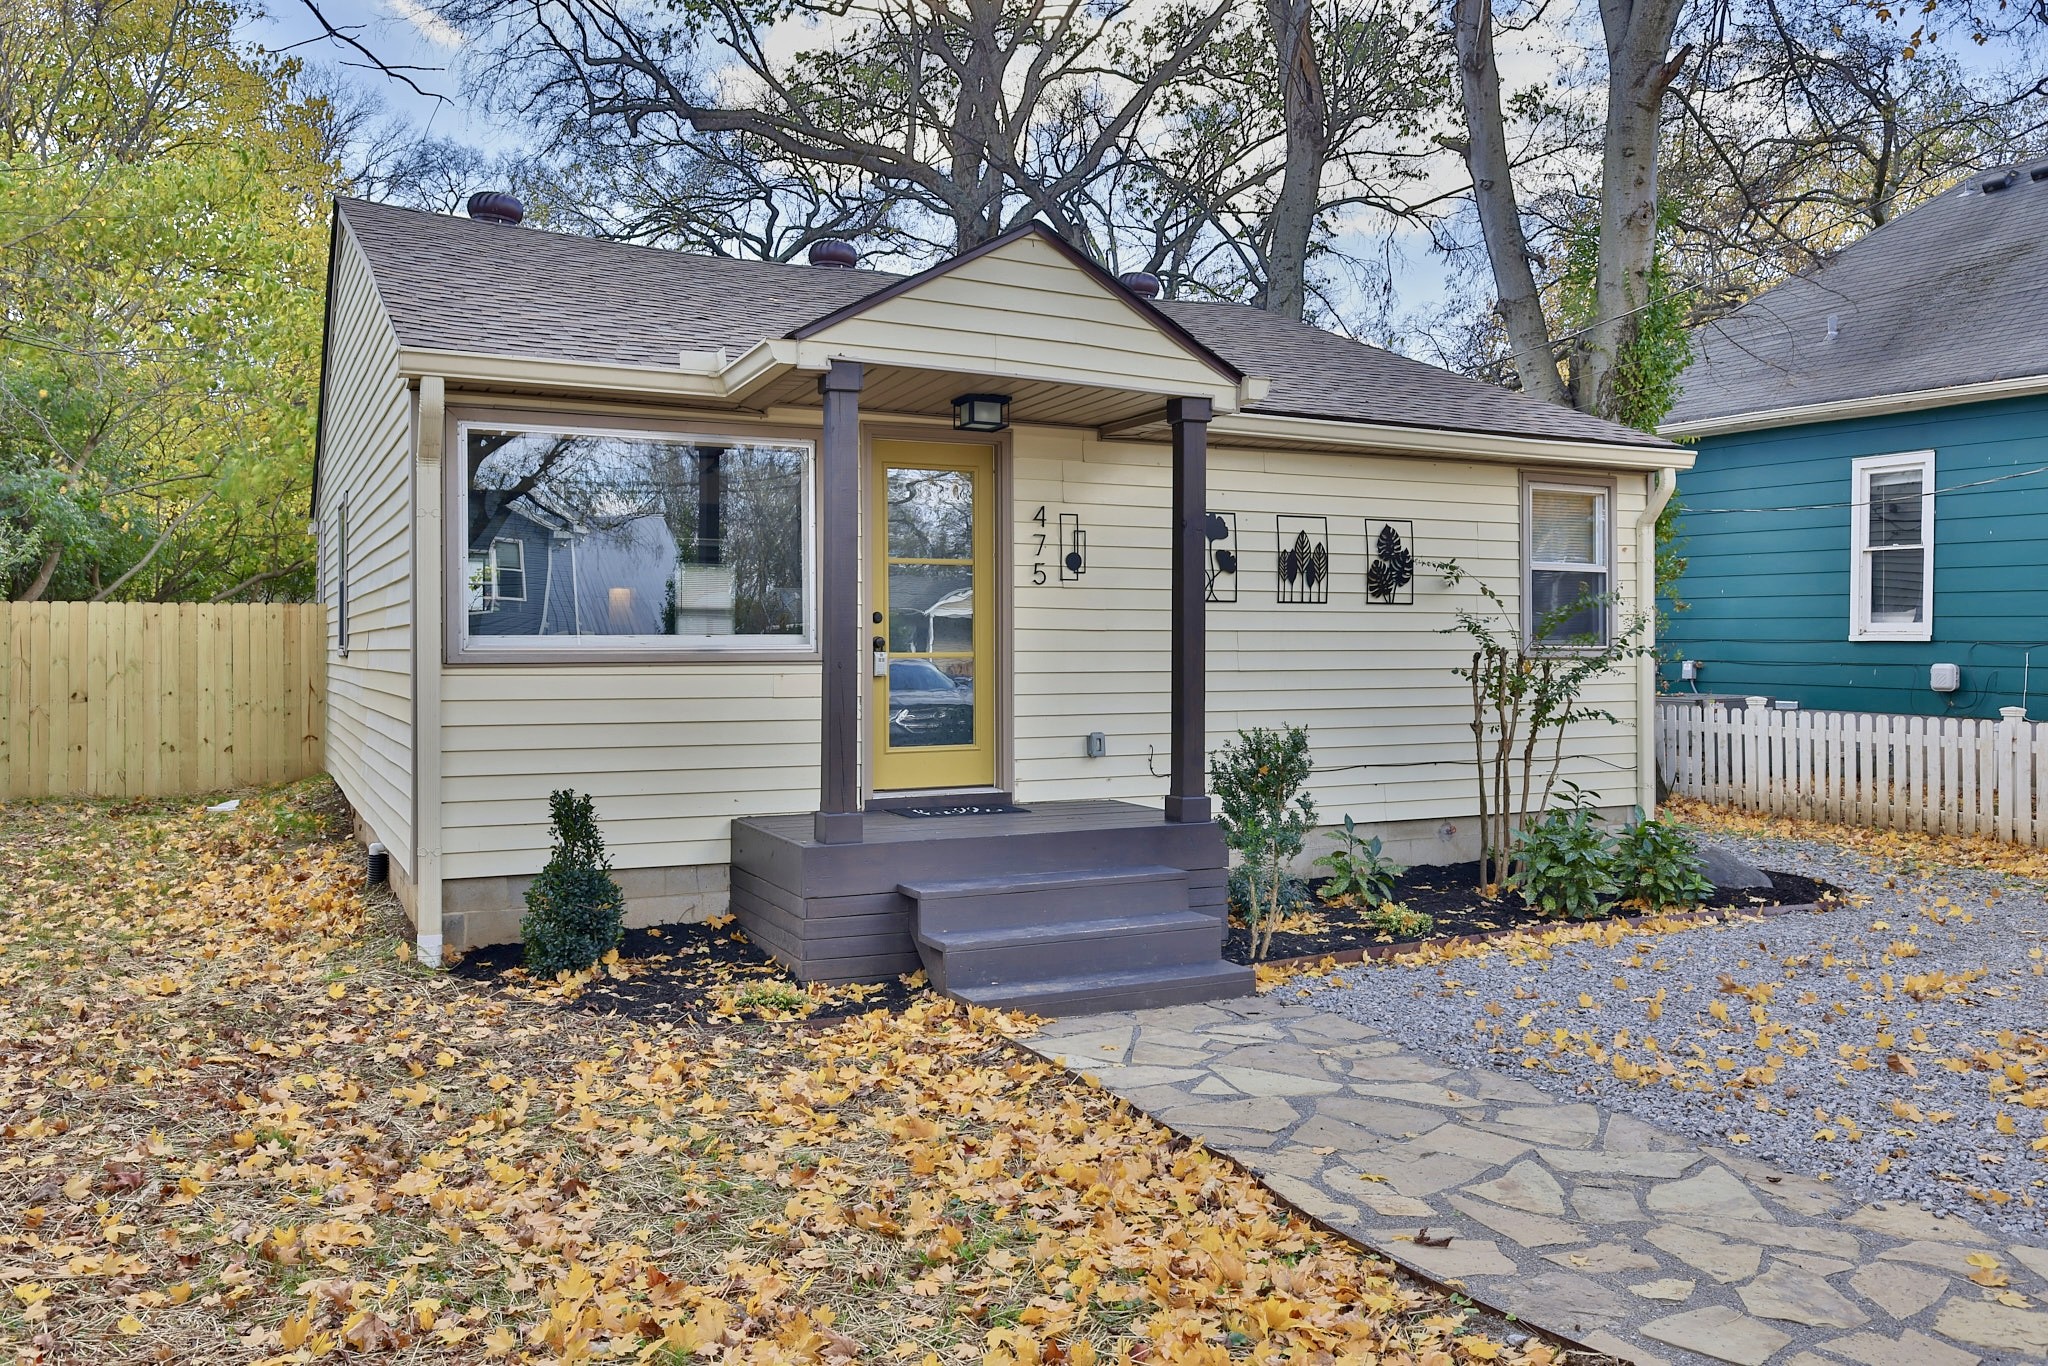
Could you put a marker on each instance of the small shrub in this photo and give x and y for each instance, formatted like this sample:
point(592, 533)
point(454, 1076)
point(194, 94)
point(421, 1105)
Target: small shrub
point(1265, 814)
point(575, 912)
point(1656, 866)
point(1563, 865)
point(1396, 919)
point(1358, 868)
point(1250, 891)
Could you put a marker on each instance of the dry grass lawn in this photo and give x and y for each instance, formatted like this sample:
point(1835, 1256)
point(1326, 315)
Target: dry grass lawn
point(236, 1124)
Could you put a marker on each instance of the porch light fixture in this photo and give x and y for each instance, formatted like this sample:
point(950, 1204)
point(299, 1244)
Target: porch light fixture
point(981, 412)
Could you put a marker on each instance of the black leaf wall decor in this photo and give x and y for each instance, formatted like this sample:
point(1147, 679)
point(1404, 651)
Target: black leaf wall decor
point(1304, 561)
point(1390, 577)
point(1219, 532)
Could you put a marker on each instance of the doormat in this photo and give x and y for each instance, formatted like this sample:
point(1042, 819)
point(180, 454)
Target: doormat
point(964, 809)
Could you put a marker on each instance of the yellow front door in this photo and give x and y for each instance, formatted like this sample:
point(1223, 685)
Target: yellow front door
point(934, 600)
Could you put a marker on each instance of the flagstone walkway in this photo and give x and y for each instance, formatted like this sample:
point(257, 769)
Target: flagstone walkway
point(1600, 1228)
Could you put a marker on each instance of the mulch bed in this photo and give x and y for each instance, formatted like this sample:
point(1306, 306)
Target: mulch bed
point(691, 974)
point(1450, 894)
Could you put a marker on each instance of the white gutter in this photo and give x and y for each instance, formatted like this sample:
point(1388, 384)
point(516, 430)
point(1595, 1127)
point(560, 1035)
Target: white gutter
point(427, 551)
point(1661, 485)
point(1451, 445)
point(1878, 405)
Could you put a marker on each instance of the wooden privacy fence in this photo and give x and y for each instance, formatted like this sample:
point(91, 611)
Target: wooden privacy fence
point(124, 699)
point(1947, 775)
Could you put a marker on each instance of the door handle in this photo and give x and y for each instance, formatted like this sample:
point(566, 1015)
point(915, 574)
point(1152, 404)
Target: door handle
point(881, 649)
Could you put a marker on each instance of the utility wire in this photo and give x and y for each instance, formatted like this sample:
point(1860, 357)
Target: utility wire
point(1690, 511)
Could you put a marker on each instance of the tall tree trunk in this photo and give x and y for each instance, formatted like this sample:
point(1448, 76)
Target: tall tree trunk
point(1640, 69)
point(1307, 120)
point(41, 582)
point(977, 117)
point(1500, 213)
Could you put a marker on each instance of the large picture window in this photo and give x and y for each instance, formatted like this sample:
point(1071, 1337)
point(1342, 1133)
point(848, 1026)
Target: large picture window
point(1891, 518)
point(1570, 563)
point(621, 541)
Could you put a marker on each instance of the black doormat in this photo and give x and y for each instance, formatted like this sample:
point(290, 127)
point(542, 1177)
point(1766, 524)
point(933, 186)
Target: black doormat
point(964, 809)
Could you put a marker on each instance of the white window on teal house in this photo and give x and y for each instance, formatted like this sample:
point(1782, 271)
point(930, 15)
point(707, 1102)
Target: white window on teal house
point(1891, 519)
point(1569, 553)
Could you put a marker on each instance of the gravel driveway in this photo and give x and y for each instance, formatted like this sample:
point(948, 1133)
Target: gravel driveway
point(1890, 1046)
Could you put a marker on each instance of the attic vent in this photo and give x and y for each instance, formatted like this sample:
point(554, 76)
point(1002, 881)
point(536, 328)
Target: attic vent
point(1142, 283)
point(834, 254)
point(2001, 182)
point(495, 206)
point(2038, 174)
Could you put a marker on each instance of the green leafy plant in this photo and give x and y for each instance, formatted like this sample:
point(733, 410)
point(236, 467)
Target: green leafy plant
point(1528, 686)
point(1359, 869)
point(1266, 815)
point(1656, 865)
point(1564, 863)
point(575, 912)
point(1397, 919)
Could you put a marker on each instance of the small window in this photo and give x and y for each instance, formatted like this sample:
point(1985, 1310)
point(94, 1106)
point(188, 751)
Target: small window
point(341, 577)
point(1892, 534)
point(593, 541)
point(1570, 564)
point(509, 570)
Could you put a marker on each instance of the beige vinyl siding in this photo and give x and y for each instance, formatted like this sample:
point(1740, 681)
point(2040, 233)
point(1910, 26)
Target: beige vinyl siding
point(670, 752)
point(1373, 684)
point(367, 455)
point(1025, 312)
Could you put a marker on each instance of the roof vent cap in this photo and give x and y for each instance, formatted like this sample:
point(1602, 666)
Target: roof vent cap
point(2001, 182)
point(1142, 283)
point(495, 206)
point(2039, 173)
point(834, 254)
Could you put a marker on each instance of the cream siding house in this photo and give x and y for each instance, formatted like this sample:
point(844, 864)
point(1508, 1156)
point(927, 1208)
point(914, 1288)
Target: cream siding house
point(870, 614)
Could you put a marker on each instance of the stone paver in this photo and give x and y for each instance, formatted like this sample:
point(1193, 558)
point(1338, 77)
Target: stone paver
point(1603, 1229)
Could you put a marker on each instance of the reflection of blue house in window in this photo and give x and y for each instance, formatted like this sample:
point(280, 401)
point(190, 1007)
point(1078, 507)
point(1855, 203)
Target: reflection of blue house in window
point(541, 575)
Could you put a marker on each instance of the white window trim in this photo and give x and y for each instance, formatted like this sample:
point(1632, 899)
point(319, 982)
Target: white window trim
point(1861, 627)
point(498, 593)
point(1604, 529)
point(465, 648)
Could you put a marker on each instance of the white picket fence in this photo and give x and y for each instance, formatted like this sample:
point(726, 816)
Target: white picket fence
point(1940, 774)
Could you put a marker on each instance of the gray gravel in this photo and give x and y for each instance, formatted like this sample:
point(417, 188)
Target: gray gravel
point(1993, 923)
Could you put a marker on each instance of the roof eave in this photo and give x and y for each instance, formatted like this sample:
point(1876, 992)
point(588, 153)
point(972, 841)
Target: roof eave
point(1842, 410)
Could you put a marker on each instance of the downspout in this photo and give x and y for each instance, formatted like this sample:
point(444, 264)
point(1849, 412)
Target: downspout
point(427, 555)
point(1659, 486)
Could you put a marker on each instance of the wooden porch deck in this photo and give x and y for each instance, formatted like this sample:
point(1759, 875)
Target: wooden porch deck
point(846, 912)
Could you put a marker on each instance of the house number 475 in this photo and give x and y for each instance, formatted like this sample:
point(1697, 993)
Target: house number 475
point(1072, 549)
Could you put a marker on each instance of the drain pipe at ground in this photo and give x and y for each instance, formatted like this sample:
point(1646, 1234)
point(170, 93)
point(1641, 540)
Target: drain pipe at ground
point(1659, 486)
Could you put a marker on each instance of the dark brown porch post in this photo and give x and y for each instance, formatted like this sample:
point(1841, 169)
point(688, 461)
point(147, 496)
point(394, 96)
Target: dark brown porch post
point(838, 820)
point(1187, 788)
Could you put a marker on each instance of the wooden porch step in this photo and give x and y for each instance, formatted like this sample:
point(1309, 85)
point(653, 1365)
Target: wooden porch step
point(1022, 900)
point(956, 960)
point(1133, 989)
point(1085, 939)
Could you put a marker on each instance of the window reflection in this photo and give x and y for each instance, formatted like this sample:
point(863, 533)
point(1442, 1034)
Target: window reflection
point(578, 535)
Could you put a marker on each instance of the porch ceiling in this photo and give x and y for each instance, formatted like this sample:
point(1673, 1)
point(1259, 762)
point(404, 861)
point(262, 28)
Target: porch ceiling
point(913, 392)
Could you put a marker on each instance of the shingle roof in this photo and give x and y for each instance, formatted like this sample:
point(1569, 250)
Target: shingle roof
point(1953, 292)
point(456, 284)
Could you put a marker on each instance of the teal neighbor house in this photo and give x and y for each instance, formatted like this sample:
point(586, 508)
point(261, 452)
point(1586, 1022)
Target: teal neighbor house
point(1866, 525)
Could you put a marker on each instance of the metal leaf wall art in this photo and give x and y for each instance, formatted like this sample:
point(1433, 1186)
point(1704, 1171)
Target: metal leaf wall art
point(1304, 560)
point(1390, 577)
point(1219, 534)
